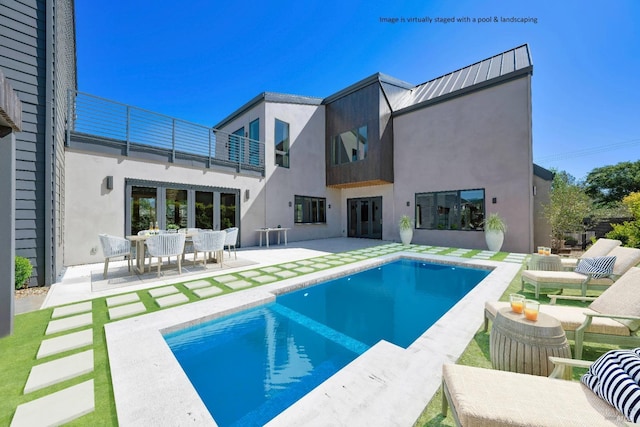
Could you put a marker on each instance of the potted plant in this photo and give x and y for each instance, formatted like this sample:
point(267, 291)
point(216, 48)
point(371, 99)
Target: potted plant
point(406, 229)
point(494, 229)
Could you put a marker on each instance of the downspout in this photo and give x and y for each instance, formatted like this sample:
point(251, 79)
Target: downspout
point(50, 152)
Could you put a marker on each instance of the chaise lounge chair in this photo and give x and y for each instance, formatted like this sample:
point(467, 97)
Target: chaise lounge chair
point(612, 318)
point(601, 247)
point(486, 397)
point(625, 259)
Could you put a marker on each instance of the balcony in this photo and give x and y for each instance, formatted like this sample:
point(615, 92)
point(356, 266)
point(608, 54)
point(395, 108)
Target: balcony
point(110, 127)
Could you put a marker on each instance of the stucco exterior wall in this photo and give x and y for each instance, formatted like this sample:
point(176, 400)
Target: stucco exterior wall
point(479, 140)
point(91, 209)
point(306, 175)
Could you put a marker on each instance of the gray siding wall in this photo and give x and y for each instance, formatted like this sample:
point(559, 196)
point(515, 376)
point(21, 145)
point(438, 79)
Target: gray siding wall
point(23, 59)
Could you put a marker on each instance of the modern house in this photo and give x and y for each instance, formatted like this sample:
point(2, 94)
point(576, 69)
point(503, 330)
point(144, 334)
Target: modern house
point(446, 152)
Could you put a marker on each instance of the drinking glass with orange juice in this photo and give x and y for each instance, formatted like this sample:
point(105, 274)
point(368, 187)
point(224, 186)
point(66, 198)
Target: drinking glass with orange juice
point(531, 309)
point(517, 302)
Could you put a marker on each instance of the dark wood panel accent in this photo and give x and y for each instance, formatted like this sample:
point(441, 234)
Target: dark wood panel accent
point(362, 107)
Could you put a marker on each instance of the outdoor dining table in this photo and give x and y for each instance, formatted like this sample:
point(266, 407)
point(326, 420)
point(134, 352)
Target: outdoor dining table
point(139, 240)
point(278, 230)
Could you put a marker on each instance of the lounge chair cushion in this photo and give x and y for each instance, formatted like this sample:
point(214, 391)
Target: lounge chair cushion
point(625, 259)
point(486, 397)
point(559, 277)
point(615, 377)
point(601, 247)
point(571, 317)
point(622, 299)
point(598, 267)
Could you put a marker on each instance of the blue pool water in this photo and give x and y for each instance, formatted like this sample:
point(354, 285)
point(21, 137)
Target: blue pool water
point(250, 366)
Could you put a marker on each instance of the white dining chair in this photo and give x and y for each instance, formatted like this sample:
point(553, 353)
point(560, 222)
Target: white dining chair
point(114, 247)
point(166, 245)
point(231, 239)
point(209, 241)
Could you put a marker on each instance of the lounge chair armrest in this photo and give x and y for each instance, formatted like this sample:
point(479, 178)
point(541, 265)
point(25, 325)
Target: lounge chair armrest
point(562, 366)
point(554, 298)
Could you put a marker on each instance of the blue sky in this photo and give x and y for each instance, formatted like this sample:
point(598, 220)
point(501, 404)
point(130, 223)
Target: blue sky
point(201, 60)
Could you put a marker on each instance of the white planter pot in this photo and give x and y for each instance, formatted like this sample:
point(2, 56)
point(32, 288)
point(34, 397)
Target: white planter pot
point(406, 236)
point(494, 239)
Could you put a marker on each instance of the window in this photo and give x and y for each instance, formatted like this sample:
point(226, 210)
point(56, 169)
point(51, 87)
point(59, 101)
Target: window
point(254, 145)
point(235, 145)
point(143, 208)
point(349, 146)
point(450, 210)
point(310, 210)
point(176, 208)
point(282, 143)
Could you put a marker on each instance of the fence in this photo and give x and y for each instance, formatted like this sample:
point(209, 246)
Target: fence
point(135, 127)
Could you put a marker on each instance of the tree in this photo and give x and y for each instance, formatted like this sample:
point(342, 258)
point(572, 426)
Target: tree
point(610, 184)
point(629, 231)
point(568, 207)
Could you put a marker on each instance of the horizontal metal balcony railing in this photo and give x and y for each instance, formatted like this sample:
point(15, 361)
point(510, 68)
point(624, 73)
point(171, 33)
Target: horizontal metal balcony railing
point(134, 127)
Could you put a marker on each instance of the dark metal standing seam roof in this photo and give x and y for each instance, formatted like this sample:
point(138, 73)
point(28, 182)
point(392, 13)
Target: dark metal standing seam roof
point(505, 65)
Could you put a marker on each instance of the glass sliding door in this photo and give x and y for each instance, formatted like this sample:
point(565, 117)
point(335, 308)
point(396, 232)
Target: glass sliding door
point(179, 206)
point(144, 202)
point(204, 210)
point(176, 208)
point(227, 210)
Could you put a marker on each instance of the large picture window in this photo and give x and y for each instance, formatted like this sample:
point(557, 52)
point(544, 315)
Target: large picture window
point(349, 146)
point(450, 210)
point(282, 143)
point(310, 210)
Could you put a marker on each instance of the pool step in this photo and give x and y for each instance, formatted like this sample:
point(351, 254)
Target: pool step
point(327, 332)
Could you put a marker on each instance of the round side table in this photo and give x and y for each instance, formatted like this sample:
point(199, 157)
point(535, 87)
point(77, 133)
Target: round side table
point(523, 346)
point(545, 262)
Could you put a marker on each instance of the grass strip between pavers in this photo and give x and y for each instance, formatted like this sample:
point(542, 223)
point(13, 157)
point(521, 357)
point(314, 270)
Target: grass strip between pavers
point(19, 350)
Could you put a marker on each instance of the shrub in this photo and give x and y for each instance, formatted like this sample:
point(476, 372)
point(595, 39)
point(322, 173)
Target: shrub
point(23, 271)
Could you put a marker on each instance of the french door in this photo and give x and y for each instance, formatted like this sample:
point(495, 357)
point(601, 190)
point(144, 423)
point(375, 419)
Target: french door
point(364, 217)
point(179, 206)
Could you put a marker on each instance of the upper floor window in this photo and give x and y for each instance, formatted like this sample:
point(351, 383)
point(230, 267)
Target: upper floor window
point(450, 210)
point(282, 143)
point(310, 210)
point(349, 146)
point(254, 142)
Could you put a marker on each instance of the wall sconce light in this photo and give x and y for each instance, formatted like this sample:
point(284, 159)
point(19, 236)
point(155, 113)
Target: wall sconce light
point(246, 194)
point(408, 203)
point(494, 200)
point(290, 204)
point(109, 182)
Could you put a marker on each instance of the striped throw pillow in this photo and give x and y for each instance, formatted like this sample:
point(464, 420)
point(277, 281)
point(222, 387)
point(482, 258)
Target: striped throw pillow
point(598, 267)
point(615, 377)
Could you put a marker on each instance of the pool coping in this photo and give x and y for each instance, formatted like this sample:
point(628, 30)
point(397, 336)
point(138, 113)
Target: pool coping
point(386, 384)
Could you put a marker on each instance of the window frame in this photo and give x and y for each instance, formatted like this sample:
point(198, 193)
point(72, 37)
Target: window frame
point(309, 210)
point(441, 218)
point(286, 143)
point(361, 136)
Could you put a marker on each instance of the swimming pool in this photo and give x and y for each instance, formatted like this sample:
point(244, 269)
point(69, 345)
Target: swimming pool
point(250, 366)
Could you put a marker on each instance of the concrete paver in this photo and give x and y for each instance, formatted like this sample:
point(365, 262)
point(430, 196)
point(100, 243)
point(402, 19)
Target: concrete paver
point(207, 292)
point(126, 310)
point(197, 284)
point(68, 310)
point(170, 300)
point(122, 299)
point(59, 370)
point(57, 408)
point(64, 343)
point(68, 323)
point(238, 284)
point(165, 290)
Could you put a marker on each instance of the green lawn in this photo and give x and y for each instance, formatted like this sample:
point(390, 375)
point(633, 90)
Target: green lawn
point(19, 351)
